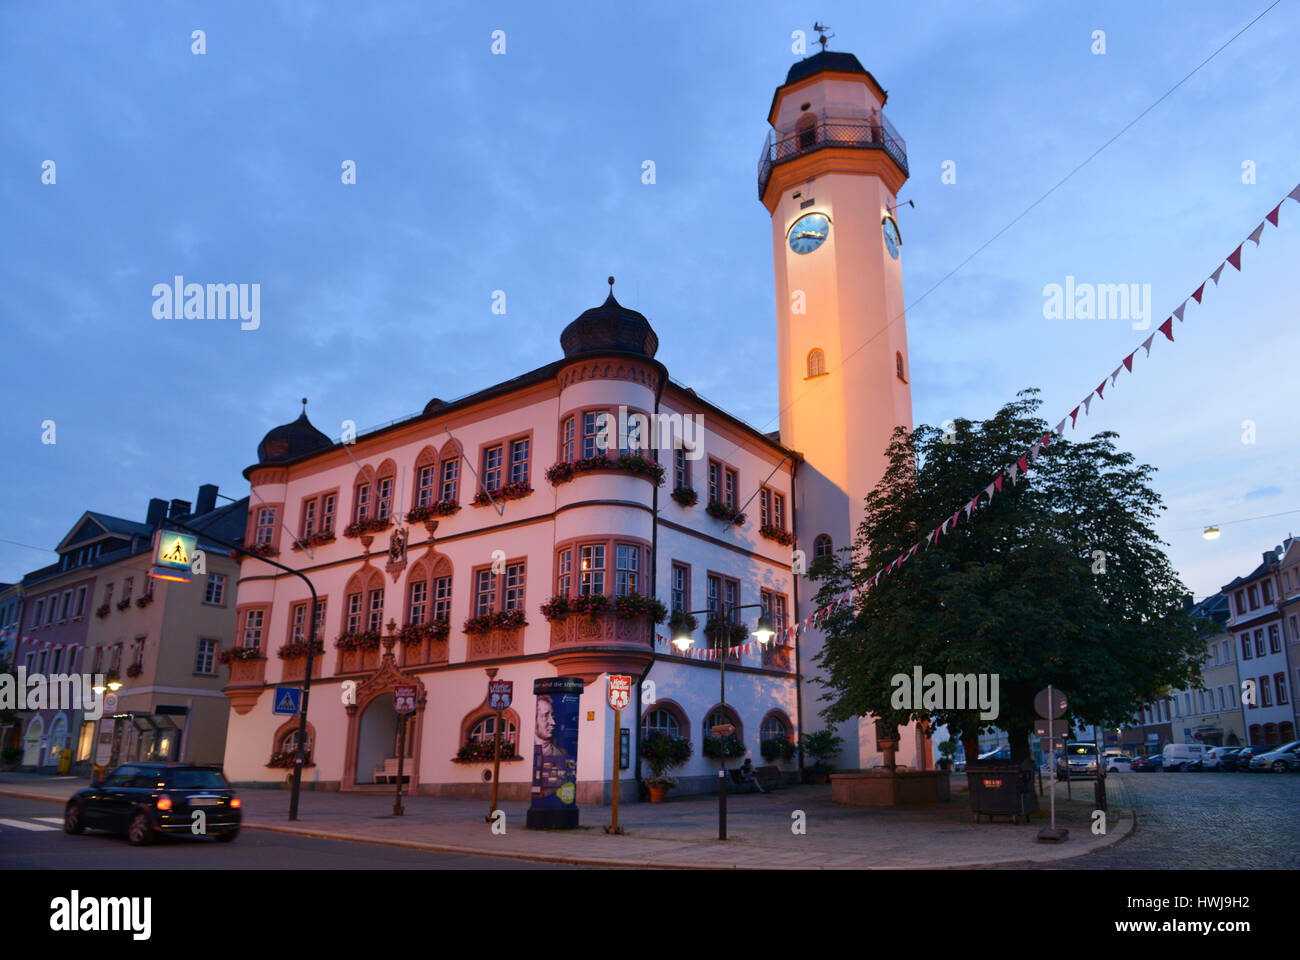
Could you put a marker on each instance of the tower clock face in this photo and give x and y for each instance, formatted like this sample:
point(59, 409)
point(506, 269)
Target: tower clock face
point(809, 232)
point(890, 230)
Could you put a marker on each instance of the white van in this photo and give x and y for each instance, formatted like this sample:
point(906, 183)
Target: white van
point(1179, 755)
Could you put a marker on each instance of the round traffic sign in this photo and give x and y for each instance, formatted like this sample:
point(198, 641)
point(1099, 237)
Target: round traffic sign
point(1053, 706)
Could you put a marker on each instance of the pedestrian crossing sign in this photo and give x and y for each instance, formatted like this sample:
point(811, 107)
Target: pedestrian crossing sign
point(287, 700)
point(175, 550)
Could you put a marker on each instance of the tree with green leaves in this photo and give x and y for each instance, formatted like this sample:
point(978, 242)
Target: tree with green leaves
point(1058, 579)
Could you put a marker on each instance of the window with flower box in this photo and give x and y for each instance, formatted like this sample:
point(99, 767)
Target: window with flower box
point(595, 433)
point(778, 510)
point(568, 439)
point(591, 569)
point(426, 485)
point(352, 617)
point(375, 611)
point(485, 591)
point(318, 513)
point(361, 501)
point(626, 569)
point(252, 625)
point(513, 592)
point(417, 601)
point(442, 598)
point(492, 468)
point(681, 586)
point(661, 721)
point(450, 479)
point(564, 572)
point(309, 518)
point(485, 730)
point(298, 618)
point(383, 498)
point(519, 457)
point(265, 531)
point(681, 470)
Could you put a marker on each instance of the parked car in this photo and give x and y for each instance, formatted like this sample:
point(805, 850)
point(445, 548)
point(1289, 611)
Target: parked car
point(143, 800)
point(1246, 755)
point(1077, 760)
point(1149, 762)
point(1278, 759)
point(1228, 761)
point(1118, 763)
point(1181, 756)
point(1213, 759)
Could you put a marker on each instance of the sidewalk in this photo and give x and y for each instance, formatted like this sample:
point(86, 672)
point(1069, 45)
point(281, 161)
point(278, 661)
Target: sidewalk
point(683, 832)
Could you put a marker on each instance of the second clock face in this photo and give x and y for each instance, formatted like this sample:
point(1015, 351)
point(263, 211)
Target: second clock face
point(809, 232)
point(892, 241)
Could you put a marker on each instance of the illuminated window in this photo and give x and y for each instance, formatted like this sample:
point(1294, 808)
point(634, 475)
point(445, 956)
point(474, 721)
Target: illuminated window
point(816, 363)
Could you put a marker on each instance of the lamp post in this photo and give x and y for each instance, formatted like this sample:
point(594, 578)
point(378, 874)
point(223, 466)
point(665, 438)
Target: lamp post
point(763, 633)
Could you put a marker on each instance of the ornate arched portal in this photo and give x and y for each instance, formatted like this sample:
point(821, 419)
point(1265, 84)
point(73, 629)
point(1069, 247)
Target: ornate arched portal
point(372, 725)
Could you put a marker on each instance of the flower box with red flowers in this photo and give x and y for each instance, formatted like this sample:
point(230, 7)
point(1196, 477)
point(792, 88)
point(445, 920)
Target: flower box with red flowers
point(283, 760)
point(515, 490)
point(419, 632)
point(686, 496)
point(432, 511)
point(725, 511)
point(632, 463)
point(240, 653)
point(634, 605)
point(358, 528)
point(719, 630)
point(509, 620)
point(263, 550)
point(773, 532)
point(366, 640)
point(144, 601)
point(556, 608)
point(102, 611)
point(475, 625)
point(682, 622)
point(123, 604)
point(589, 604)
point(482, 751)
point(317, 539)
point(296, 651)
point(134, 670)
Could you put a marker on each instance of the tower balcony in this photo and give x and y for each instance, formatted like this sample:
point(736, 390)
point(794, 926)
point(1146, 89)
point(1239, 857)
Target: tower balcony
point(830, 132)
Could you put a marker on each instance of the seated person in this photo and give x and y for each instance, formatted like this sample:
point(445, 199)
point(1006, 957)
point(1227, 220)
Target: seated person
point(746, 775)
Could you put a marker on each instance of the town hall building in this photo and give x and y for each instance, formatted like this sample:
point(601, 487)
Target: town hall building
point(533, 529)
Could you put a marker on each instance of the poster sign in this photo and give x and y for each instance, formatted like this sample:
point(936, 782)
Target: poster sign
point(620, 691)
point(404, 698)
point(500, 693)
point(554, 803)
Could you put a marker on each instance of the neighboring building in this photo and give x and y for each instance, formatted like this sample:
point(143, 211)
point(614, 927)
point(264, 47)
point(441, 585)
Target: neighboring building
point(1256, 623)
point(1211, 714)
point(578, 531)
point(1288, 591)
point(11, 602)
point(98, 612)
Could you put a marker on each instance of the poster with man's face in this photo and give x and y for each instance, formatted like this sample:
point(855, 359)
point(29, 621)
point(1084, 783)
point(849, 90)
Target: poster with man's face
point(555, 742)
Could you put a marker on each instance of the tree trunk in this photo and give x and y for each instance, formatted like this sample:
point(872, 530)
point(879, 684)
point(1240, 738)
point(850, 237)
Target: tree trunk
point(1018, 737)
point(970, 742)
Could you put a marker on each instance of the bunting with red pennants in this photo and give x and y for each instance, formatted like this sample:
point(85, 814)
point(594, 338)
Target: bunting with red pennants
point(1020, 466)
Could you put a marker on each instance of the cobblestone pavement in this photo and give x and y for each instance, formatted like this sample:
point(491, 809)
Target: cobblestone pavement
point(1203, 821)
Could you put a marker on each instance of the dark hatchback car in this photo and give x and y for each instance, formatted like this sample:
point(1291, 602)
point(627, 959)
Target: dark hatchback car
point(1243, 756)
point(1149, 763)
point(143, 800)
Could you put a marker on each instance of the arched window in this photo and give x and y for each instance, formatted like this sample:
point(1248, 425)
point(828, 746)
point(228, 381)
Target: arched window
point(417, 594)
point(363, 495)
point(898, 366)
point(485, 730)
point(426, 478)
point(286, 739)
point(816, 363)
point(384, 478)
point(661, 721)
point(806, 129)
point(363, 602)
point(568, 439)
point(722, 715)
point(775, 726)
point(822, 546)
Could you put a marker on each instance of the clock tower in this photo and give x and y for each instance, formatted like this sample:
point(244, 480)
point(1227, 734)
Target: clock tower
point(829, 176)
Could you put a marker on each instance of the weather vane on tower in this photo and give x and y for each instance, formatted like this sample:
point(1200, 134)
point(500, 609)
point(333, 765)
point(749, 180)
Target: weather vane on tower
point(822, 35)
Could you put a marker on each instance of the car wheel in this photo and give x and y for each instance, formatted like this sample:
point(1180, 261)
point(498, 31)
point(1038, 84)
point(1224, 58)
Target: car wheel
point(1279, 766)
point(140, 832)
point(72, 820)
point(228, 836)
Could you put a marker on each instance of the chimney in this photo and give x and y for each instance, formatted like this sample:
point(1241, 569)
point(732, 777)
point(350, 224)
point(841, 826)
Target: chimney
point(1188, 602)
point(206, 501)
point(156, 512)
point(180, 508)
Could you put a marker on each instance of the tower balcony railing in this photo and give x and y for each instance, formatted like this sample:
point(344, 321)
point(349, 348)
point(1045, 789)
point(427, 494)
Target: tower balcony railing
point(830, 132)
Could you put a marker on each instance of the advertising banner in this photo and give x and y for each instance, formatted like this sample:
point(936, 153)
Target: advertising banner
point(555, 754)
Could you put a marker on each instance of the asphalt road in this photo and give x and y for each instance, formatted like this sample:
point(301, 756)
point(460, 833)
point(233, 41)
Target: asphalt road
point(32, 837)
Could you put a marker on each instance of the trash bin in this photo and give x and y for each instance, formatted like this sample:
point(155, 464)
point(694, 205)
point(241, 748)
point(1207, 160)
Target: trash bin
point(1001, 788)
point(65, 760)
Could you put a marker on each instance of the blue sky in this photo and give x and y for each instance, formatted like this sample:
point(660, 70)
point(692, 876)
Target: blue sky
point(522, 173)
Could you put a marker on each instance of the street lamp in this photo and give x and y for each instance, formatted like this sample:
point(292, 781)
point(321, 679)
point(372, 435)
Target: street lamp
point(1211, 533)
point(763, 633)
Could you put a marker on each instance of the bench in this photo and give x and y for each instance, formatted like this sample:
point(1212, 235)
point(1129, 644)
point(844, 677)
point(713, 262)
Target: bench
point(386, 772)
point(768, 777)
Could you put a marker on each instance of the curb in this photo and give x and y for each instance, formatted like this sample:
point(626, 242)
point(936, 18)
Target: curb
point(606, 862)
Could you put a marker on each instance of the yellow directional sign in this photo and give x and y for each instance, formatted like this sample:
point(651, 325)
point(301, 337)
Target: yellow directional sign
point(175, 550)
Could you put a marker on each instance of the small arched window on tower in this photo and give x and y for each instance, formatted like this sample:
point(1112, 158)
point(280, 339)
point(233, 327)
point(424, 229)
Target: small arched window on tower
point(898, 367)
point(822, 546)
point(806, 130)
point(816, 363)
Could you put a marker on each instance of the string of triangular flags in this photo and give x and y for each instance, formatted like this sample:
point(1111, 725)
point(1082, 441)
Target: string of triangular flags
point(21, 638)
point(710, 653)
point(1021, 465)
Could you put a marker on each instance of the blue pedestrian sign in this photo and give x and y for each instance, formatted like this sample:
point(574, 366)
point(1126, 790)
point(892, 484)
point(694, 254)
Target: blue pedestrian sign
point(288, 700)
